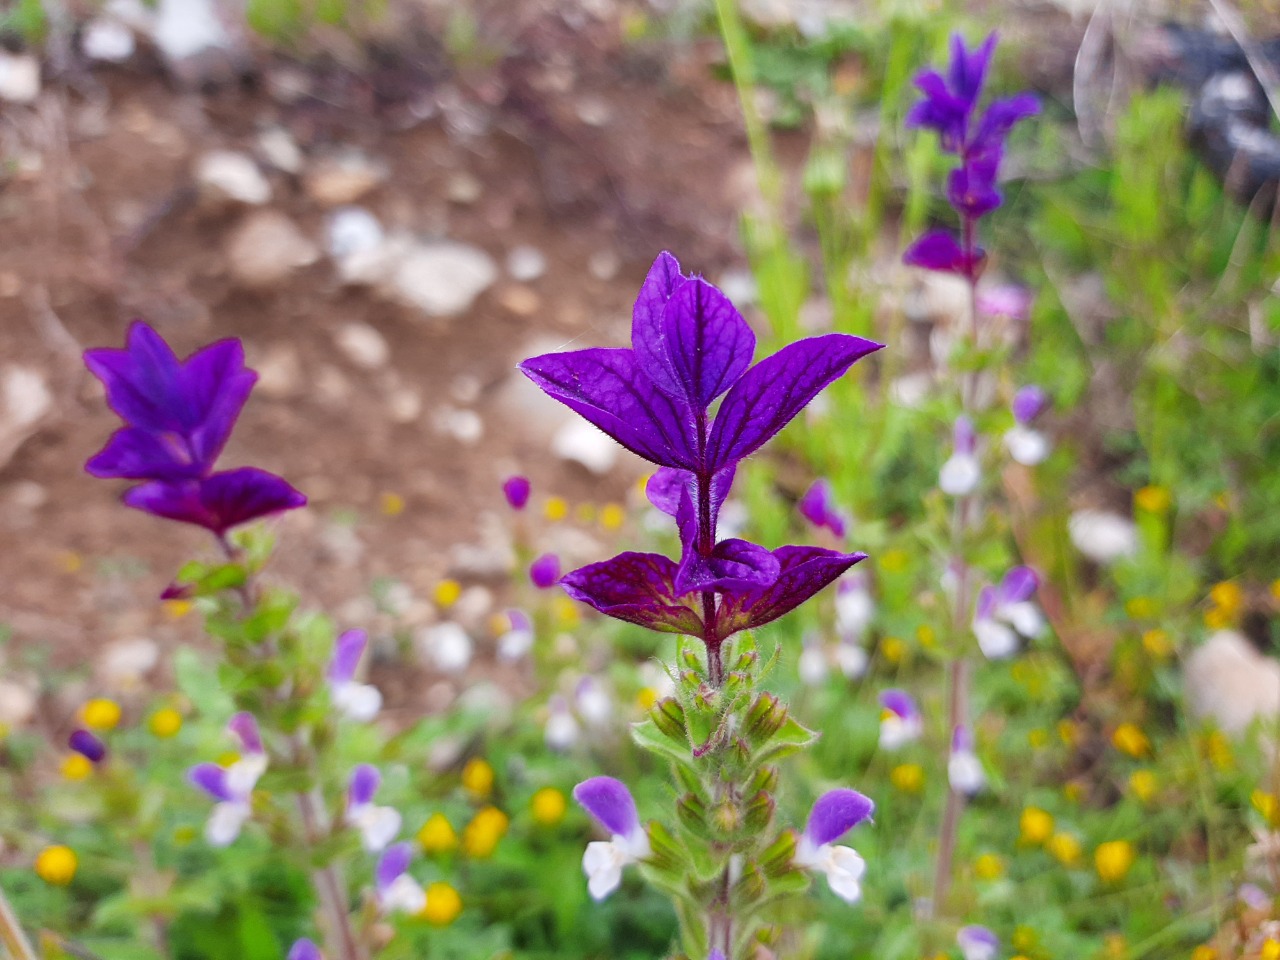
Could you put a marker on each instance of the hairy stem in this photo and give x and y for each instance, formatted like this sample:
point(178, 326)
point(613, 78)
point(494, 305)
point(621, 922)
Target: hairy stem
point(339, 931)
point(12, 937)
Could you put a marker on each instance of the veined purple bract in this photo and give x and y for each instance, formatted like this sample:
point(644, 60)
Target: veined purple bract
point(690, 346)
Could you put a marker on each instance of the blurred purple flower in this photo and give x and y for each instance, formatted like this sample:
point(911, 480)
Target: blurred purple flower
point(377, 826)
point(359, 701)
point(819, 508)
point(1005, 613)
point(977, 943)
point(304, 949)
point(398, 892)
point(545, 571)
point(611, 805)
point(1004, 300)
point(962, 472)
point(516, 490)
point(218, 502)
point(964, 769)
point(834, 814)
point(900, 720)
point(87, 745)
point(1025, 443)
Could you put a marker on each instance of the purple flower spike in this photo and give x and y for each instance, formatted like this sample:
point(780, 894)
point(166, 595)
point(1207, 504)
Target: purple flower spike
point(1029, 403)
point(347, 651)
point(87, 745)
point(516, 490)
point(610, 803)
point(304, 949)
point(218, 502)
point(545, 571)
point(178, 414)
point(818, 507)
point(212, 779)
point(245, 728)
point(835, 813)
point(365, 780)
point(977, 943)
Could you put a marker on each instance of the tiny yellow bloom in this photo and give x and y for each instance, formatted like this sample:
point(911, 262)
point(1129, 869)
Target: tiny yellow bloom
point(1024, 939)
point(1218, 749)
point(185, 835)
point(585, 513)
point(177, 609)
point(566, 611)
point(548, 805)
point(1216, 618)
point(1157, 644)
point(907, 777)
point(646, 698)
point(446, 593)
point(1140, 608)
point(1267, 805)
point(1153, 499)
point(556, 508)
point(1117, 947)
point(165, 723)
point(988, 867)
point(70, 561)
point(1038, 738)
point(1227, 595)
point(56, 865)
point(894, 561)
point(390, 503)
point(1275, 588)
point(927, 636)
point(1064, 848)
point(443, 905)
point(1073, 790)
point(480, 837)
point(437, 835)
point(894, 649)
point(1113, 859)
point(612, 516)
point(477, 778)
point(227, 758)
point(1270, 950)
point(4, 730)
point(1144, 785)
point(76, 766)
point(1130, 740)
point(1204, 952)
point(1035, 825)
point(1068, 732)
point(100, 714)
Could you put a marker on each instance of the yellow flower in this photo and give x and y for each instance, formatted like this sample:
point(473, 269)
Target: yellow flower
point(480, 837)
point(1035, 825)
point(1068, 732)
point(447, 593)
point(477, 778)
point(566, 611)
point(165, 723)
point(1128, 739)
point(56, 865)
point(436, 835)
point(988, 867)
point(894, 649)
point(1024, 939)
point(1270, 950)
point(1117, 947)
point(1218, 749)
point(1073, 790)
point(100, 714)
point(1153, 499)
point(70, 561)
point(1215, 618)
point(1144, 785)
point(646, 698)
point(1267, 805)
point(1275, 588)
point(556, 508)
point(1064, 848)
point(391, 503)
point(4, 731)
point(177, 609)
point(1204, 952)
point(894, 561)
point(907, 777)
point(1038, 738)
point(612, 516)
point(76, 766)
point(1113, 859)
point(1227, 596)
point(1157, 644)
point(927, 636)
point(443, 905)
point(548, 806)
point(1140, 608)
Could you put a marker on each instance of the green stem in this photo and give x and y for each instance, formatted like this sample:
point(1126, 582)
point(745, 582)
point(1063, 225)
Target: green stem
point(11, 934)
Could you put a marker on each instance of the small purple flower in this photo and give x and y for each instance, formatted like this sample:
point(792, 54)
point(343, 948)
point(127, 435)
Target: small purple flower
point(516, 489)
point(964, 769)
point(818, 507)
point(517, 640)
point(1025, 443)
point(304, 949)
point(834, 814)
point(1005, 613)
point(245, 729)
point(359, 701)
point(962, 472)
point(716, 955)
point(900, 720)
point(378, 826)
point(398, 892)
point(87, 745)
point(232, 786)
point(611, 805)
point(218, 502)
point(545, 571)
point(977, 943)
point(1005, 300)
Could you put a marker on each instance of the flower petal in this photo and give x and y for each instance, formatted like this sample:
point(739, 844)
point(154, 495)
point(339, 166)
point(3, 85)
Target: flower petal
point(304, 949)
point(705, 345)
point(212, 779)
point(937, 250)
point(136, 454)
point(646, 316)
point(365, 780)
point(347, 651)
point(636, 587)
point(392, 864)
point(777, 388)
point(835, 813)
point(1019, 584)
point(610, 803)
point(245, 728)
point(804, 571)
point(219, 502)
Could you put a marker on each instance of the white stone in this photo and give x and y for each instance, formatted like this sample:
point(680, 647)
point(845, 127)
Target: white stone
point(19, 77)
point(125, 663)
point(363, 345)
point(226, 174)
point(446, 646)
point(279, 372)
point(350, 231)
point(17, 703)
point(404, 405)
point(463, 188)
point(343, 178)
point(604, 264)
point(1232, 683)
point(280, 150)
point(25, 400)
point(582, 443)
point(266, 247)
point(1102, 536)
point(185, 28)
point(443, 279)
point(526, 263)
point(465, 426)
point(105, 38)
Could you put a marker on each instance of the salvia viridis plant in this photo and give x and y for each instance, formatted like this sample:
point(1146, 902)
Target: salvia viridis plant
point(720, 854)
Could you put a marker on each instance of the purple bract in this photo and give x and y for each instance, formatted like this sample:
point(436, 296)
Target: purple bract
point(516, 489)
point(87, 745)
point(835, 813)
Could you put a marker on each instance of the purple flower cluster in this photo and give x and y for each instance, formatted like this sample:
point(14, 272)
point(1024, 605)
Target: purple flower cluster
point(178, 416)
point(691, 346)
point(977, 138)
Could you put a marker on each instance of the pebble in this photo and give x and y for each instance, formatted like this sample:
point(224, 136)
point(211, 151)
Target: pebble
point(604, 264)
point(520, 300)
point(25, 400)
point(278, 148)
point(363, 345)
point(1102, 536)
point(343, 179)
point(266, 247)
point(125, 663)
point(107, 39)
point(526, 263)
point(1228, 680)
point(184, 29)
point(350, 231)
point(445, 646)
point(404, 405)
point(228, 175)
point(279, 372)
point(19, 77)
point(465, 426)
point(580, 442)
point(594, 111)
point(443, 279)
point(17, 703)
point(464, 189)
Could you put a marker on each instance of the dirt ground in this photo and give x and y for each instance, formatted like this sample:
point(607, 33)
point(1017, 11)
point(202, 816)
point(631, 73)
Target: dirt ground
point(596, 153)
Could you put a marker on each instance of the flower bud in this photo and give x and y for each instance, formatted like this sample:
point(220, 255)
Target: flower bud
point(766, 778)
point(765, 718)
point(726, 817)
point(692, 813)
point(760, 810)
point(668, 716)
point(777, 858)
point(689, 658)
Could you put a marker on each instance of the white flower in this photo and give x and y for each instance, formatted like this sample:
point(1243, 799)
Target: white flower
point(851, 659)
point(446, 646)
point(842, 865)
point(1102, 536)
point(562, 730)
point(377, 826)
point(812, 664)
point(1027, 445)
point(604, 860)
point(403, 895)
point(896, 732)
point(226, 822)
point(358, 701)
